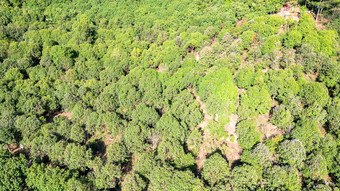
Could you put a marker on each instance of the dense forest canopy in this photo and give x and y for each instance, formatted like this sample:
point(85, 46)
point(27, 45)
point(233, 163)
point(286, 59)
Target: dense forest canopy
point(169, 95)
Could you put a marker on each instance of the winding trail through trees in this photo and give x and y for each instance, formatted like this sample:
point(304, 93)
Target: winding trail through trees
point(234, 149)
point(202, 151)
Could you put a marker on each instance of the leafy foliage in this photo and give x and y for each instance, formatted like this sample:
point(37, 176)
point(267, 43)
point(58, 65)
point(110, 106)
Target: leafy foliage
point(285, 178)
point(245, 177)
point(292, 152)
point(248, 134)
point(42, 177)
point(215, 169)
point(13, 171)
point(259, 157)
point(282, 117)
point(146, 95)
point(255, 101)
point(218, 92)
point(316, 167)
point(308, 133)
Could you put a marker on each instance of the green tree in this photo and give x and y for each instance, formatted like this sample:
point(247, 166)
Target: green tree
point(245, 77)
point(334, 116)
point(186, 109)
point(13, 74)
point(309, 58)
point(144, 163)
point(170, 179)
point(133, 182)
point(315, 112)
point(247, 39)
point(245, 178)
point(135, 136)
point(116, 153)
point(145, 114)
point(259, 157)
point(314, 92)
point(282, 117)
point(329, 73)
point(43, 177)
point(248, 135)
point(7, 130)
point(282, 178)
point(76, 156)
point(106, 176)
point(255, 101)
point(316, 167)
point(218, 92)
point(194, 141)
point(308, 133)
point(215, 169)
point(292, 152)
point(174, 153)
point(169, 128)
point(272, 43)
point(12, 171)
point(293, 39)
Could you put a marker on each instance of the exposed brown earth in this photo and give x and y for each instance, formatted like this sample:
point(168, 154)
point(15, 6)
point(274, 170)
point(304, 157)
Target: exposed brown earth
point(293, 13)
point(66, 114)
point(202, 151)
point(268, 129)
point(234, 149)
point(244, 57)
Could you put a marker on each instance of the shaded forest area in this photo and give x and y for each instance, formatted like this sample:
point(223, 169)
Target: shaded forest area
point(169, 95)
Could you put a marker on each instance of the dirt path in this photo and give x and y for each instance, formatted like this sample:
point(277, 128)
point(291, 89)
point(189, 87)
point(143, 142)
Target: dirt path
point(202, 151)
point(205, 49)
point(214, 41)
point(292, 12)
point(234, 149)
point(66, 114)
point(281, 30)
point(268, 129)
point(243, 60)
point(57, 114)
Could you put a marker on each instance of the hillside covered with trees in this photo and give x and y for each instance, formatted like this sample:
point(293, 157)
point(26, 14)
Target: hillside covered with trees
point(169, 95)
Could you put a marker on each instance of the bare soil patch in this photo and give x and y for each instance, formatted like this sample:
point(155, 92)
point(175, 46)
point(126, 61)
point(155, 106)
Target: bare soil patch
point(234, 149)
point(203, 149)
point(66, 114)
point(311, 77)
point(244, 57)
point(268, 129)
point(293, 13)
point(57, 114)
point(322, 130)
point(281, 30)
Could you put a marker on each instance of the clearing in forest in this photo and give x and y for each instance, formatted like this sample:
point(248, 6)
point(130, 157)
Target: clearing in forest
point(233, 148)
point(202, 151)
